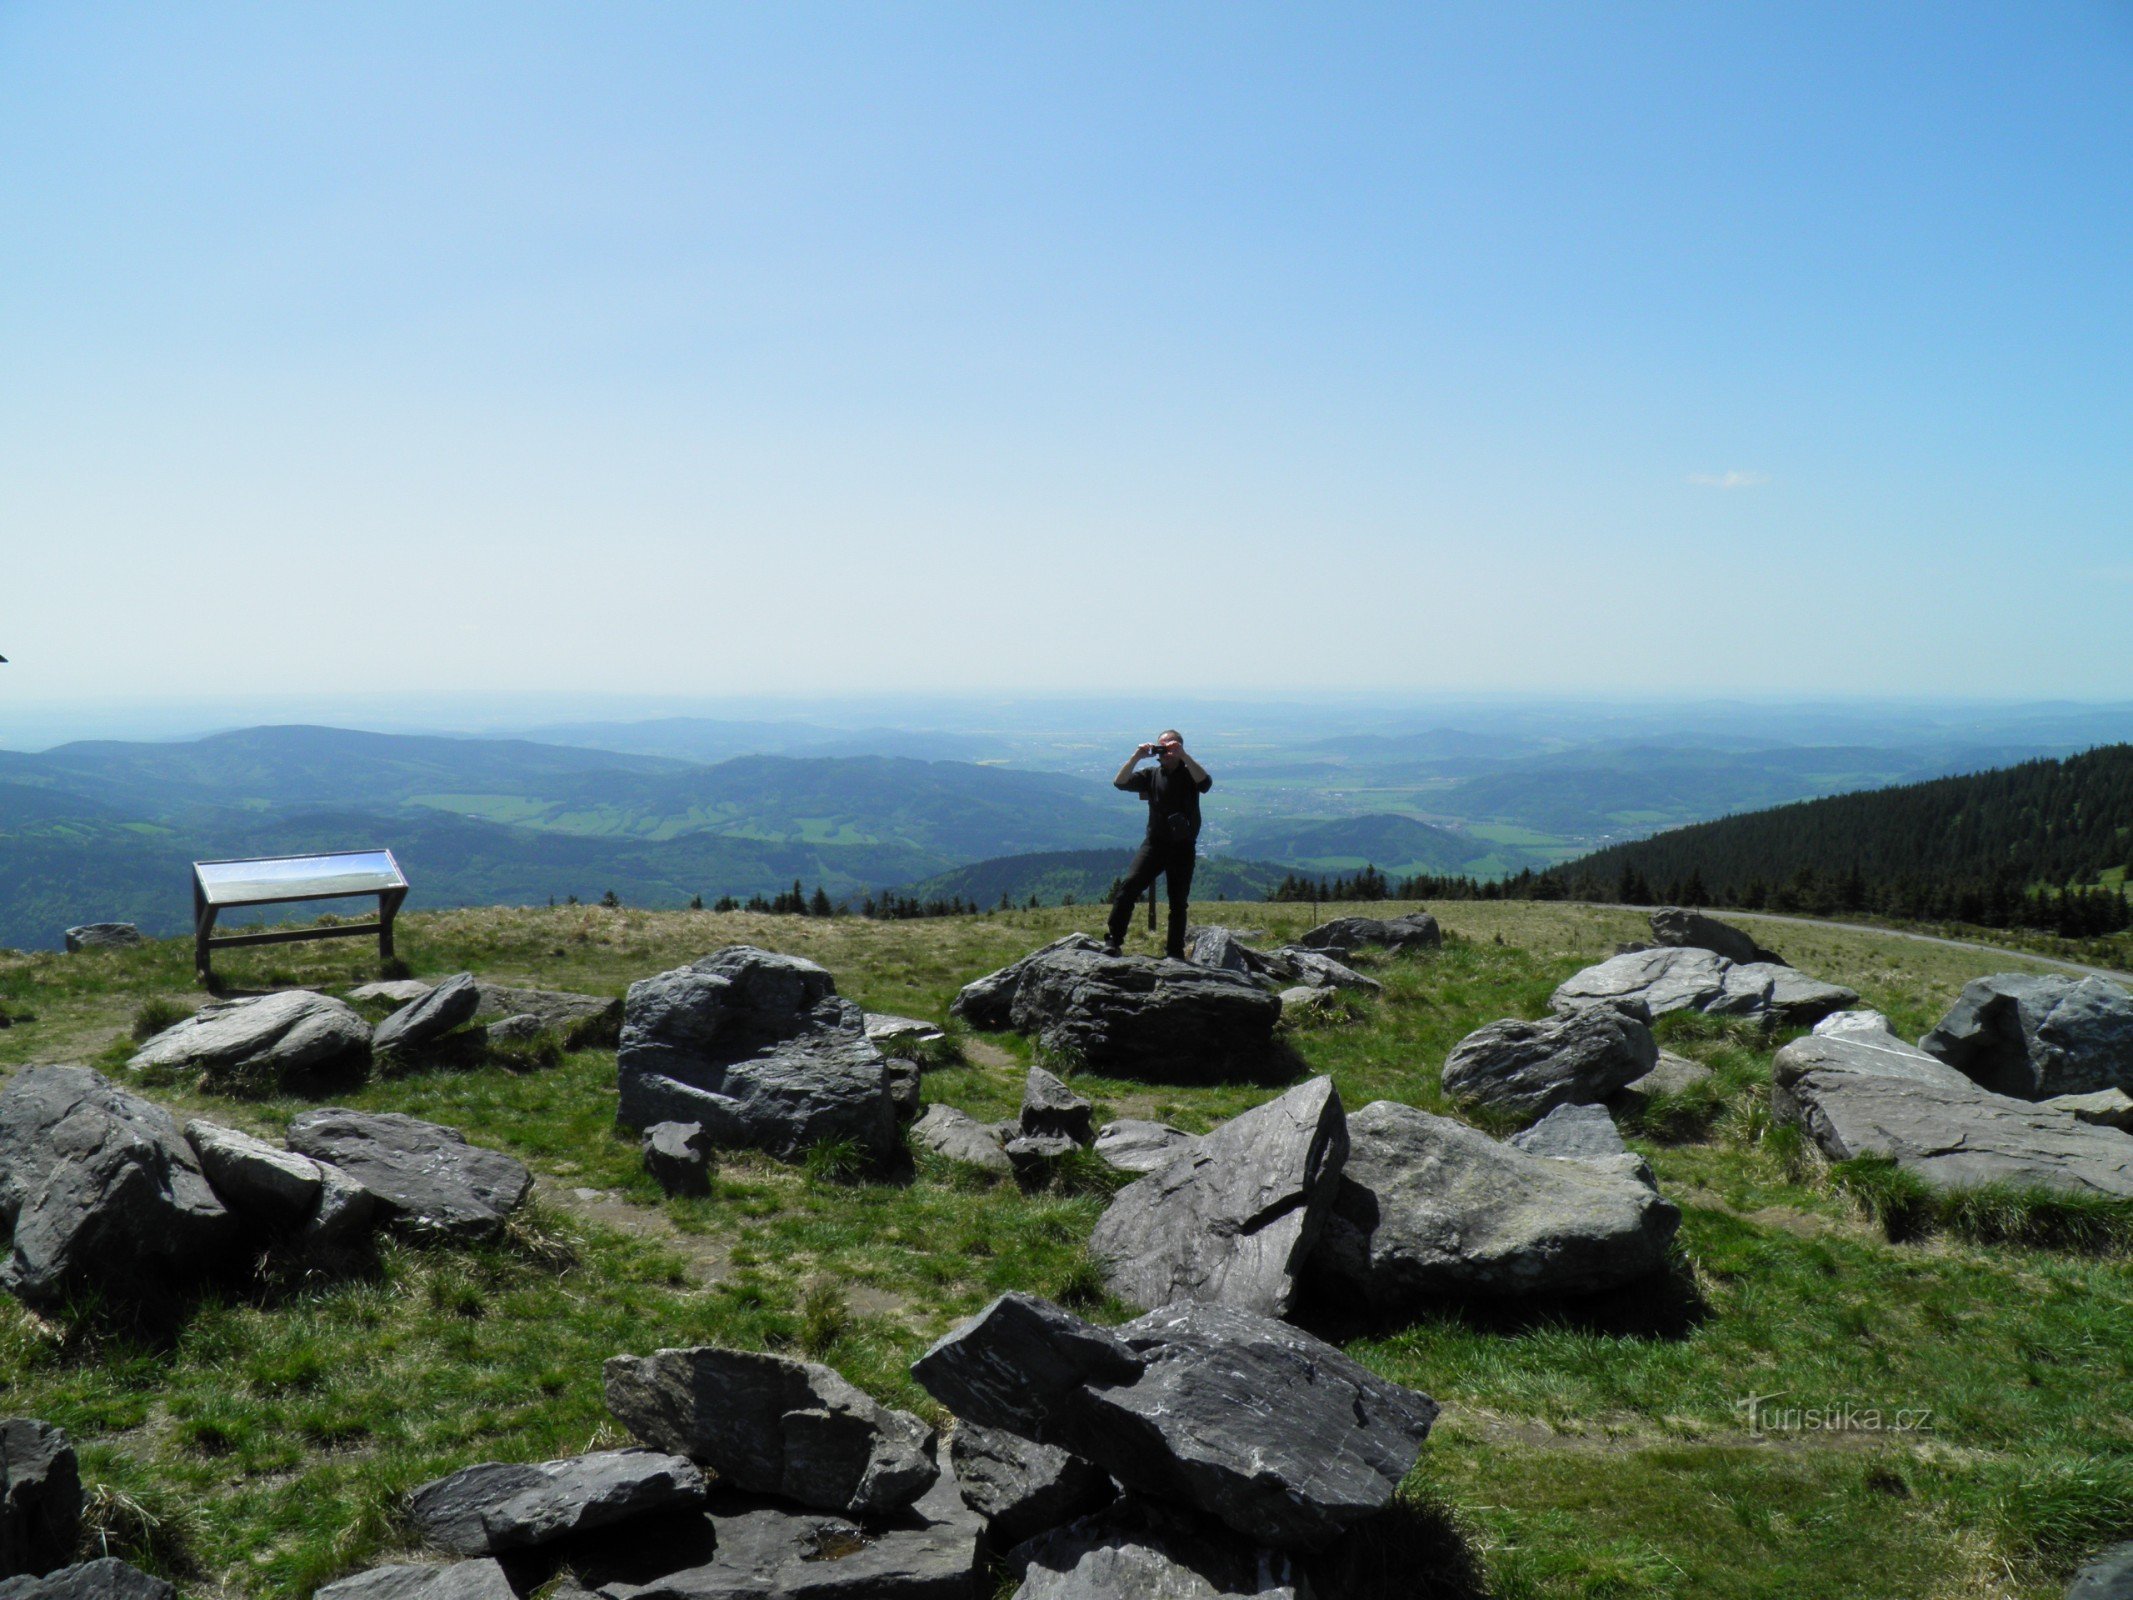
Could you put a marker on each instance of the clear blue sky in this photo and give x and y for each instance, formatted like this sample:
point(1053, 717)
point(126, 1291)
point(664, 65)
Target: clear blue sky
point(697, 349)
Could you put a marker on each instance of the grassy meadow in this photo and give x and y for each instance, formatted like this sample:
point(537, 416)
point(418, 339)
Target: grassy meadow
point(1807, 1408)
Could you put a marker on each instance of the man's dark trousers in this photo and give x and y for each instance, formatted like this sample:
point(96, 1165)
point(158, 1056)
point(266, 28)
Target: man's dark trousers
point(1172, 861)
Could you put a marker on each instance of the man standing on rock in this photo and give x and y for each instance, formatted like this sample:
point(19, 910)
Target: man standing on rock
point(1172, 788)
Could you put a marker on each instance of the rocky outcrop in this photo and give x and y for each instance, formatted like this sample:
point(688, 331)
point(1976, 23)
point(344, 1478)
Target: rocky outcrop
point(292, 1040)
point(1417, 930)
point(1232, 1218)
point(458, 1580)
point(2037, 1037)
point(1257, 1424)
point(101, 1191)
point(1020, 1487)
point(1533, 1067)
point(773, 1426)
point(1655, 982)
point(421, 1023)
point(40, 1498)
point(499, 1506)
point(1428, 1208)
point(1146, 1551)
point(423, 1179)
point(989, 1002)
point(760, 1049)
point(1692, 930)
point(101, 936)
point(961, 1137)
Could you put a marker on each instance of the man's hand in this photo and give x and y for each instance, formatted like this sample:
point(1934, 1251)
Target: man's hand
point(1143, 752)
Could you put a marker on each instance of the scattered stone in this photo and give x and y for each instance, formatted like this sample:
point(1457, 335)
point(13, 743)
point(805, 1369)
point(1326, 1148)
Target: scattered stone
point(1252, 1421)
point(424, 1178)
point(1022, 1488)
point(1134, 1145)
point(2036, 1037)
point(40, 1498)
point(421, 1023)
point(1034, 1156)
point(1686, 979)
point(678, 1156)
point(1572, 1133)
point(101, 936)
point(274, 1187)
point(1221, 949)
point(960, 1137)
point(1428, 1208)
point(106, 1579)
point(760, 1049)
point(261, 1043)
point(1295, 965)
point(2106, 1108)
point(891, 1032)
point(1309, 1003)
point(1050, 1107)
point(1679, 929)
point(394, 991)
point(1146, 1551)
point(773, 1426)
point(100, 1190)
point(906, 1087)
point(461, 1580)
point(497, 1506)
point(1417, 930)
point(1673, 1075)
point(2107, 1576)
point(583, 1021)
point(1230, 1220)
point(523, 1028)
point(1576, 1059)
point(988, 1002)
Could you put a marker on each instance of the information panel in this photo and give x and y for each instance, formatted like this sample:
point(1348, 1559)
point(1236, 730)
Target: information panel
point(239, 883)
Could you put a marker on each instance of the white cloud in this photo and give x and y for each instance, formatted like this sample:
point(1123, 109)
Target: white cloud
point(1729, 480)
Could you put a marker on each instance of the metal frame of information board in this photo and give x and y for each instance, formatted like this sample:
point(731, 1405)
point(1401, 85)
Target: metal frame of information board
point(206, 908)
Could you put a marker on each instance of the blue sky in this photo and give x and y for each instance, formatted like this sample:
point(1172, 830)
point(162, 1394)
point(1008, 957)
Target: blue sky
point(695, 350)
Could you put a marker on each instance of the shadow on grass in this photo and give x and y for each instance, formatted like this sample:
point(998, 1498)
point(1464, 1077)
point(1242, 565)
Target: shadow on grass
point(1410, 1551)
point(1666, 1305)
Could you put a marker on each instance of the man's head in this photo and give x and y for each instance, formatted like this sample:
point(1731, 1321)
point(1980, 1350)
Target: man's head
point(1170, 745)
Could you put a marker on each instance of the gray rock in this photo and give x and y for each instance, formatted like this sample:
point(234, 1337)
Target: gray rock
point(1428, 1208)
point(1134, 1145)
point(1679, 929)
point(2106, 1576)
point(1231, 1220)
point(1417, 930)
point(1145, 1551)
point(760, 1049)
point(773, 1426)
point(1134, 1016)
point(523, 1028)
point(341, 1219)
point(890, 1032)
point(678, 1157)
point(960, 1137)
point(1033, 1156)
point(1672, 1075)
point(105, 1579)
point(1862, 1093)
point(906, 1087)
point(459, 1580)
point(1686, 979)
point(2036, 1037)
point(1576, 1059)
point(40, 1498)
point(395, 991)
point(274, 1187)
point(101, 1191)
point(421, 1023)
point(1256, 1423)
point(583, 1021)
point(2106, 1108)
point(1221, 949)
point(101, 936)
point(1294, 964)
point(988, 1002)
point(423, 1178)
point(497, 1506)
point(1309, 1003)
point(1572, 1133)
point(1019, 1487)
point(262, 1042)
point(1050, 1107)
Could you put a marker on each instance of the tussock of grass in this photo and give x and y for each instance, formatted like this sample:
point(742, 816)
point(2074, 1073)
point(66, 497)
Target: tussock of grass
point(1908, 1208)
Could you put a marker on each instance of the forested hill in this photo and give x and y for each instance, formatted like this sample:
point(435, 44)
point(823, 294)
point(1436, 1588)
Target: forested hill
point(2000, 848)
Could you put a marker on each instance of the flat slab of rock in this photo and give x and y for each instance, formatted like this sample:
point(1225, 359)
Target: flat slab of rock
point(586, 1021)
point(40, 1498)
point(266, 1041)
point(1135, 1145)
point(1050, 1107)
point(423, 1178)
point(101, 936)
point(1866, 1092)
point(421, 1023)
point(459, 1580)
point(1693, 930)
point(1292, 964)
point(1232, 1218)
point(1669, 979)
point(394, 991)
point(497, 1506)
point(760, 1049)
point(2106, 1108)
point(101, 1190)
point(892, 1033)
point(1428, 1208)
point(1417, 930)
point(961, 1137)
point(1149, 1552)
point(2036, 1037)
point(107, 1578)
point(1249, 1420)
point(773, 1426)
point(1573, 1133)
point(1577, 1059)
point(1019, 1487)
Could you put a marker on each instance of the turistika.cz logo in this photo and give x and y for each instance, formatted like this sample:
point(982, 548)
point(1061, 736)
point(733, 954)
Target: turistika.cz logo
point(1764, 1416)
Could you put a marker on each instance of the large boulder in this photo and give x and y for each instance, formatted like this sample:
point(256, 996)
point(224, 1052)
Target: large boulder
point(1139, 1017)
point(585, 1021)
point(424, 1179)
point(101, 936)
point(1692, 930)
point(760, 1049)
point(1533, 1067)
point(505, 1505)
point(1146, 1551)
point(101, 1191)
point(1231, 1219)
point(773, 1426)
point(265, 1042)
point(988, 1002)
point(1657, 981)
point(1020, 1487)
point(1860, 1090)
point(40, 1498)
point(1417, 930)
point(422, 1022)
point(106, 1578)
point(1256, 1423)
point(456, 1580)
point(2036, 1037)
point(1429, 1208)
